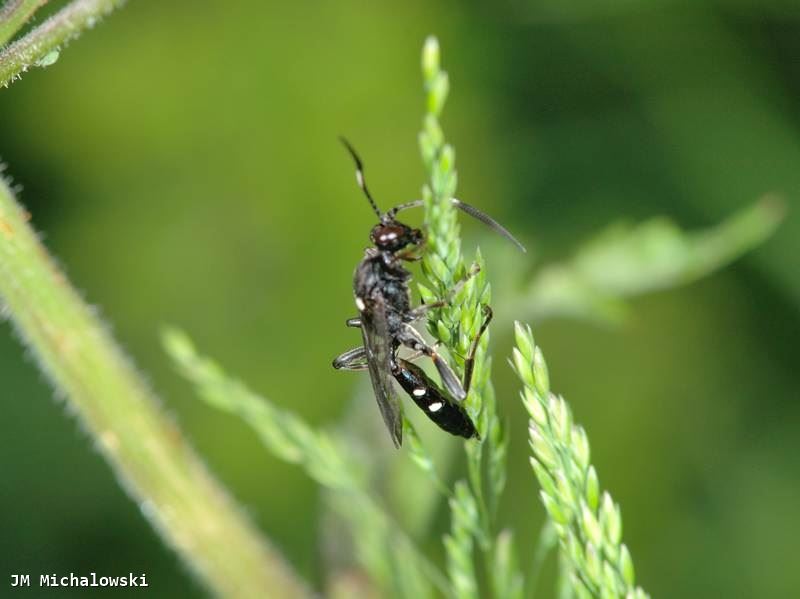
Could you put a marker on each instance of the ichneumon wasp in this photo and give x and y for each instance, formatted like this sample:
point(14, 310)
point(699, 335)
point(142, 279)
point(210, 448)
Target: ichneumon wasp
point(383, 299)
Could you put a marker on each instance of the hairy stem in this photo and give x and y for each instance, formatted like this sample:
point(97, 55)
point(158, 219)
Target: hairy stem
point(63, 26)
point(149, 457)
point(14, 15)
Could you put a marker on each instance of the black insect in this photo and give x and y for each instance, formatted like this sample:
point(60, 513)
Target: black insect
point(383, 300)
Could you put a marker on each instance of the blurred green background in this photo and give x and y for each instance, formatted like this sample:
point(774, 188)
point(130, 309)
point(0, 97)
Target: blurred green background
point(181, 161)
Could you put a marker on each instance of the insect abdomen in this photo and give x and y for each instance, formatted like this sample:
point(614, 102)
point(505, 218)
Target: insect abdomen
point(444, 412)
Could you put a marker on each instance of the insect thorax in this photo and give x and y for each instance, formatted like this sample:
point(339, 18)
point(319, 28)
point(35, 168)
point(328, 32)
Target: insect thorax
point(381, 277)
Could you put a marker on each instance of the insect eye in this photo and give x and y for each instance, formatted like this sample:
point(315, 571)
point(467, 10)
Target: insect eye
point(390, 234)
point(387, 235)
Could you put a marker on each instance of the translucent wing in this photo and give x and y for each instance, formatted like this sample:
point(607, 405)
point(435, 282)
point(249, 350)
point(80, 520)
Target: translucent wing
point(379, 350)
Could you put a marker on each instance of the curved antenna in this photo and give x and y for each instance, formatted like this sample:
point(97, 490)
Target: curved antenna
point(472, 211)
point(392, 212)
point(360, 176)
point(489, 222)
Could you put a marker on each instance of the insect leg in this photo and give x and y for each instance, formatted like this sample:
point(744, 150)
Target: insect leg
point(352, 359)
point(415, 356)
point(412, 339)
point(413, 254)
point(469, 362)
point(353, 322)
point(420, 311)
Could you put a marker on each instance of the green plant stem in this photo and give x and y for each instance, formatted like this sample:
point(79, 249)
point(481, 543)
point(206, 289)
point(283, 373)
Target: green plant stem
point(455, 326)
point(14, 15)
point(145, 449)
point(63, 26)
point(384, 550)
point(546, 542)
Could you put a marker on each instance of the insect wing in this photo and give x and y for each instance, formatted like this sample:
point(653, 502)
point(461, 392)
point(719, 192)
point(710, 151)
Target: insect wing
point(377, 343)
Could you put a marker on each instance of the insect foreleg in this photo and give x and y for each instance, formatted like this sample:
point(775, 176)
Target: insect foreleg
point(413, 254)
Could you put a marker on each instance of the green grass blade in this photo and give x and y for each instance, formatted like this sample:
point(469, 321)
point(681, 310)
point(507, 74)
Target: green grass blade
point(383, 549)
point(625, 261)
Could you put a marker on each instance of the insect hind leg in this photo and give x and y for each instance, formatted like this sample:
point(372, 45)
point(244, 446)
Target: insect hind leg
point(410, 338)
point(469, 361)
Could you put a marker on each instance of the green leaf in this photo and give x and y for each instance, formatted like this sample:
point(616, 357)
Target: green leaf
point(626, 260)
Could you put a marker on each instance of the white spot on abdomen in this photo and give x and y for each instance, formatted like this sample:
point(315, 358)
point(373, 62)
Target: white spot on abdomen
point(360, 304)
point(436, 406)
point(419, 392)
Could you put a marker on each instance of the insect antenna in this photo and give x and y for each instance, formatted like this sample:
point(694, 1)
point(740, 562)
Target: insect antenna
point(488, 221)
point(472, 211)
point(362, 183)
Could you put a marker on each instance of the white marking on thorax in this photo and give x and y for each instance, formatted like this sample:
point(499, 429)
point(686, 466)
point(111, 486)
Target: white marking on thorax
point(436, 406)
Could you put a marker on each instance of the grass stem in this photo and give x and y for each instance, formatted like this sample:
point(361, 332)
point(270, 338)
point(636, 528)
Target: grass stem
point(41, 46)
point(146, 451)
